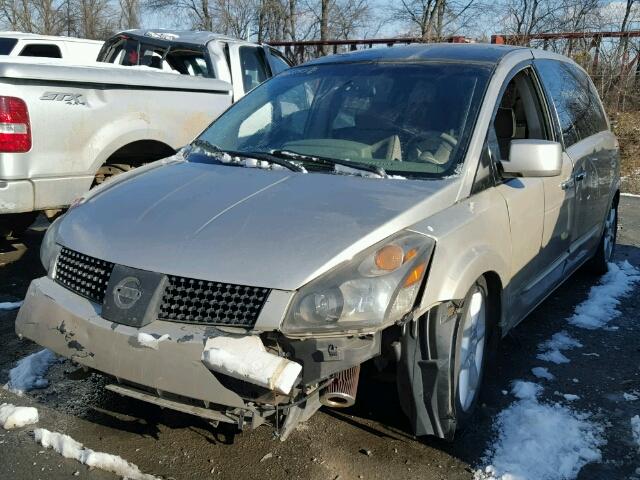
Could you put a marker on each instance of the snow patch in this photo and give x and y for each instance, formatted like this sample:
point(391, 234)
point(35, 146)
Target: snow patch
point(17, 417)
point(29, 373)
point(10, 305)
point(70, 448)
point(630, 397)
point(151, 341)
point(525, 390)
point(551, 350)
point(570, 397)
point(344, 170)
point(246, 358)
point(635, 430)
point(543, 372)
point(540, 441)
point(601, 305)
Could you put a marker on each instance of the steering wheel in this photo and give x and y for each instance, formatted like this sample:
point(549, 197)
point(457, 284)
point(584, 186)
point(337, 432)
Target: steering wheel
point(423, 147)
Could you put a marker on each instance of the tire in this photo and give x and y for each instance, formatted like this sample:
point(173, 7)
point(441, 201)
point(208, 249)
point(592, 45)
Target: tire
point(471, 351)
point(599, 264)
point(15, 224)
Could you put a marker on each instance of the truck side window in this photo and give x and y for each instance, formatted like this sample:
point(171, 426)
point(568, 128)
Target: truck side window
point(41, 50)
point(253, 67)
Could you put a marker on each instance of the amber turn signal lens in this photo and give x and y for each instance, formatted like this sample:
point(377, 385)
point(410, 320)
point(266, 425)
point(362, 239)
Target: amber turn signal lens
point(410, 254)
point(389, 257)
point(416, 275)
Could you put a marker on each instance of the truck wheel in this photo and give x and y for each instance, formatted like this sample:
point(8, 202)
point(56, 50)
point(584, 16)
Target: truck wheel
point(470, 352)
point(599, 264)
point(15, 224)
point(107, 171)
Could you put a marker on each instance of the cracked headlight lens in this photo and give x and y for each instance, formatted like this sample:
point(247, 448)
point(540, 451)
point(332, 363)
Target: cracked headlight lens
point(379, 286)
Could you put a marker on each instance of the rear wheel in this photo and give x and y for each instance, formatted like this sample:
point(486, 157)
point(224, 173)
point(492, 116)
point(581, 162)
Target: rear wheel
point(604, 254)
point(470, 354)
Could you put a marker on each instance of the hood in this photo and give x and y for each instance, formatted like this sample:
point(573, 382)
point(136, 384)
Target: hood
point(265, 228)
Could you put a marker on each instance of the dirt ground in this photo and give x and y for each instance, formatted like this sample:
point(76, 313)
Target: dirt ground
point(367, 441)
point(627, 128)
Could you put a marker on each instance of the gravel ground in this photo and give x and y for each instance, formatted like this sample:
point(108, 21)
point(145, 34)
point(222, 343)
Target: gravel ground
point(367, 441)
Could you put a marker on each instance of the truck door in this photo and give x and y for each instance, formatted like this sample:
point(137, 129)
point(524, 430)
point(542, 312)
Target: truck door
point(249, 68)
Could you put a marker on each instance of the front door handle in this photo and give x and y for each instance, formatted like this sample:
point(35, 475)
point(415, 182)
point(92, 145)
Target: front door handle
point(567, 184)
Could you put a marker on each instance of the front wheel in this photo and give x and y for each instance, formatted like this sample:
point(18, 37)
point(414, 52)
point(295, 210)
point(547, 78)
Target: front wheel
point(470, 352)
point(604, 254)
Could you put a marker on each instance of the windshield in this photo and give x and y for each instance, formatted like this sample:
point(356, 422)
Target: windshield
point(6, 45)
point(411, 119)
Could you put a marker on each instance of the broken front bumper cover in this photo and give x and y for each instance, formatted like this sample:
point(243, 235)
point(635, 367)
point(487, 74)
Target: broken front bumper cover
point(71, 326)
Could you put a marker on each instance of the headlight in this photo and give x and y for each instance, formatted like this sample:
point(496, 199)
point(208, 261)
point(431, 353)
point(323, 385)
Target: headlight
point(49, 249)
point(379, 286)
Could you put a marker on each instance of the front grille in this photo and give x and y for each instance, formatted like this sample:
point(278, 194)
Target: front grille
point(82, 274)
point(188, 300)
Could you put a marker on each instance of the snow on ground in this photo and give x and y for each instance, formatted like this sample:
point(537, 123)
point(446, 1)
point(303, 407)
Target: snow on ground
point(601, 306)
point(635, 430)
point(630, 397)
point(30, 371)
point(539, 440)
point(149, 341)
point(10, 305)
point(543, 372)
point(551, 350)
point(70, 448)
point(17, 417)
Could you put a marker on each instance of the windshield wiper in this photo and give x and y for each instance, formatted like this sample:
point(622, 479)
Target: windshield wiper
point(212, 149)
point(331, 161)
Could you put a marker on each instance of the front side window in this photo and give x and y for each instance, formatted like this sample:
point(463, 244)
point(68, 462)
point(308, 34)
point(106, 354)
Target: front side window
point(253, 67)
point(413, 119)
point(576, 101)
point(41, 50)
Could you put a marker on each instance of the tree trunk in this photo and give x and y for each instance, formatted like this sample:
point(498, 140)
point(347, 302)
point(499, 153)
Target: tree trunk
point(324, 25)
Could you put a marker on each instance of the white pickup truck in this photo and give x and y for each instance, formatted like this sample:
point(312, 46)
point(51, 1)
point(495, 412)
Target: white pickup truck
point(65, 128)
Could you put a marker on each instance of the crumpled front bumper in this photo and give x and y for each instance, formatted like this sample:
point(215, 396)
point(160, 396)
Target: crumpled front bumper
point(71, 326)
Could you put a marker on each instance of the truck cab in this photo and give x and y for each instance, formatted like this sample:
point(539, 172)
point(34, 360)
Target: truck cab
point(243, 64)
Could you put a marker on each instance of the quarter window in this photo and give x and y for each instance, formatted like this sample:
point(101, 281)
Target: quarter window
point(41, 50)
point(575, 98)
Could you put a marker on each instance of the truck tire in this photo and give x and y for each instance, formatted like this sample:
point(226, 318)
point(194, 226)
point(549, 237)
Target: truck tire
point(15, 224)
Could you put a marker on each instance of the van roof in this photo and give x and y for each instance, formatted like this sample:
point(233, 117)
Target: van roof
point(468, 52)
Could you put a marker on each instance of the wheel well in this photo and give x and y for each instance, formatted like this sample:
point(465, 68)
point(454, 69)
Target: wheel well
point(138, 153)
point(495, 304)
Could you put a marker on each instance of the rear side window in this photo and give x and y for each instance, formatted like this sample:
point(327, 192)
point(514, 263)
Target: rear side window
point(253, 67)
point(41, 50)
point(575, 98)
point(6, 45)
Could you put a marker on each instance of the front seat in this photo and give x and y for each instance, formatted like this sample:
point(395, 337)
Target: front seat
point(505, 126)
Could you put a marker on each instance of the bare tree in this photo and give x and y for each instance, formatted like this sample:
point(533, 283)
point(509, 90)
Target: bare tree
point(129, 14)
point(431, 20)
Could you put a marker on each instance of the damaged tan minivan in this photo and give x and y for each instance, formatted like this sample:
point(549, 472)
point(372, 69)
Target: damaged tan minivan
point(409, 203)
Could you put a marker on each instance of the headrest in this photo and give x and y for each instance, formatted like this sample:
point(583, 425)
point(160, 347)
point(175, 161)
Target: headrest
point(505, 123)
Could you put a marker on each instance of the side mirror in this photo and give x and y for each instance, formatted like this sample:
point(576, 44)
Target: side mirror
point(533, 158)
